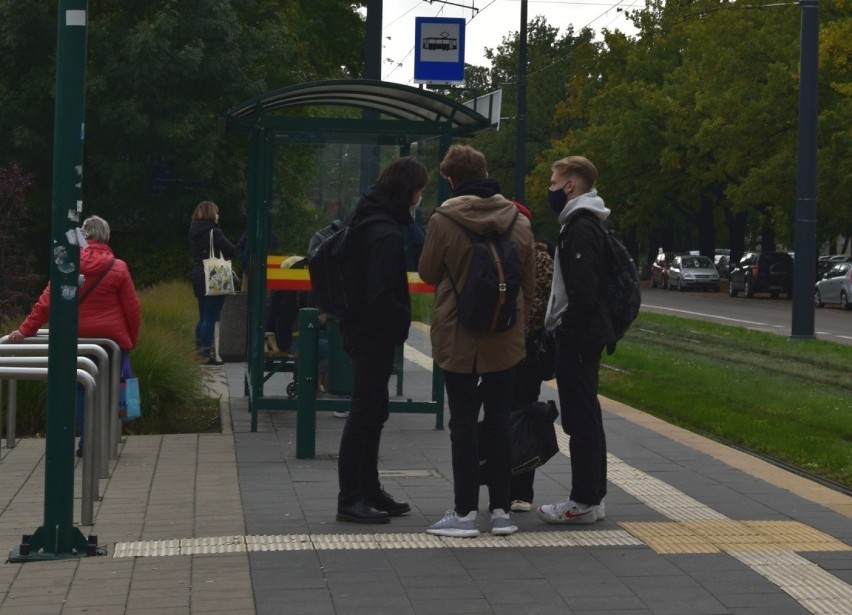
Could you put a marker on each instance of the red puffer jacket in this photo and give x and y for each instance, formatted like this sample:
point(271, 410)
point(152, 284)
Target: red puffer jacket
point(111, 310)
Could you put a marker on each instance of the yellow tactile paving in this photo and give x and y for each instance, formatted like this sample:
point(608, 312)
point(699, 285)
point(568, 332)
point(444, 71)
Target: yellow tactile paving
point(733, 536)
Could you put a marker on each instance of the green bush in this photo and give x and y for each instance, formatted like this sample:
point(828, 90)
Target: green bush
point(170, 379)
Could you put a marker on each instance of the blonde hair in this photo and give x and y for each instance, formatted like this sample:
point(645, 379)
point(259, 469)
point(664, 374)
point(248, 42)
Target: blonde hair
point(206, 210)
point(96, 229)
point(578, 166)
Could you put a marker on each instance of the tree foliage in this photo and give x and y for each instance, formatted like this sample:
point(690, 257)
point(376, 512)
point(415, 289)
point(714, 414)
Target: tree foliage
point(18, 283)
point(693, 123)
point(160, 77)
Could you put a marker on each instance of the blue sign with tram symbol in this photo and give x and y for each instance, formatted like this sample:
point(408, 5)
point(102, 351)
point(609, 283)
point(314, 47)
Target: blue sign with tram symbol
point(439, 50)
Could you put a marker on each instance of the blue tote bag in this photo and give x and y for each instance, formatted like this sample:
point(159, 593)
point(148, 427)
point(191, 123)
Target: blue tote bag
point(129, 403)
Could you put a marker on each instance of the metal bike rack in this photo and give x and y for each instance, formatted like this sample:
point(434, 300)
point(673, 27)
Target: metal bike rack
point(32, 346)
point(93, 460)
point(114, 437)
point(89, 487)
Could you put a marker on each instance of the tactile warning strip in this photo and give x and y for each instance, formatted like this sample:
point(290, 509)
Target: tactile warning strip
point(319, 542)
point(651, 491)
point(732, 536)
point(815, 589)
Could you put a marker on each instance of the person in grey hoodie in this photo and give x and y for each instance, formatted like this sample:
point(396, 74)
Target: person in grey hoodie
point(578, 315)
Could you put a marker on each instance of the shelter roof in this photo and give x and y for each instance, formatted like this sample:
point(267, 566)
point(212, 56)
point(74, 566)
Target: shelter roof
point(393, 100)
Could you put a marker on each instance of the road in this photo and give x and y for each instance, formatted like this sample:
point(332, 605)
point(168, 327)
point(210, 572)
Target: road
point(760, 312)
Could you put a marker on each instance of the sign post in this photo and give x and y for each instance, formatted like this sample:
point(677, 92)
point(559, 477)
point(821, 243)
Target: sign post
point(439, 50)
point(58, 538)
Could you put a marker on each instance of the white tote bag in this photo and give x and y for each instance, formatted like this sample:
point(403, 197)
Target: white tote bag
point(218, 275)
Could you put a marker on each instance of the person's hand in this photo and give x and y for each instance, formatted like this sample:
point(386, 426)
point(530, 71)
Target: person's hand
point(16, 337)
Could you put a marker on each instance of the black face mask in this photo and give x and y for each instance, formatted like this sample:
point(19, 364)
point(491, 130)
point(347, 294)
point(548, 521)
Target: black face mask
point(556, 199)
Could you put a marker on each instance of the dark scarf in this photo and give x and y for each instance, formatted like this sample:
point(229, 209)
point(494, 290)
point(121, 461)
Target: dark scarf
point(482, 188)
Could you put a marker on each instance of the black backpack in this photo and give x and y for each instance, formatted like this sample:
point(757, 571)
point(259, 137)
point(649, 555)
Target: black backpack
point(621, 292)
point(489, 300)
point(331, 266)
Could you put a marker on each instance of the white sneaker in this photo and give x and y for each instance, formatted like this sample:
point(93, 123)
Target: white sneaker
point(453, 525)
point(567, 511)
point(600, 511)
point(341, 414)
point(521, 506)
point(501, 523)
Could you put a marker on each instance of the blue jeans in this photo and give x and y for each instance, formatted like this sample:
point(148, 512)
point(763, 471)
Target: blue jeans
point(209, 309)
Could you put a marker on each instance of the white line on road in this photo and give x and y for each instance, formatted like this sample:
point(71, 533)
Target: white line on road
point(691, 313)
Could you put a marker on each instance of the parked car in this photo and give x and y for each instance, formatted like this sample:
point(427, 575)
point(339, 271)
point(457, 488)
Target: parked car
point(660, 269)
point(763, 272)
point(723, 264)
point(824, 263)
point(722, 260)
point(688, 271)
point(835, 287)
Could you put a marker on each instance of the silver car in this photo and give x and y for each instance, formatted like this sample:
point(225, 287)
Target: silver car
point(690, 271)
point(835, 287)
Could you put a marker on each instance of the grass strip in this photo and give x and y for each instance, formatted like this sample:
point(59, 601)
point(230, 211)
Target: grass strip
point(789, 400)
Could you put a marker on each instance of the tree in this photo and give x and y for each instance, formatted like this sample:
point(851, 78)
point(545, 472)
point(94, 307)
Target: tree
point(18, 283)
point(160, 77)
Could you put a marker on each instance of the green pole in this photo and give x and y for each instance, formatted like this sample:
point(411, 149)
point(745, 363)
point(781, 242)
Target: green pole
point(306, 369)
point(58, 536)
point(256, 292)
point(804, 273)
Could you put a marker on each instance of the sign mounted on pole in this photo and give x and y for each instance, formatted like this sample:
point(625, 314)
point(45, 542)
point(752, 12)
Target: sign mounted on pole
point(439, 50)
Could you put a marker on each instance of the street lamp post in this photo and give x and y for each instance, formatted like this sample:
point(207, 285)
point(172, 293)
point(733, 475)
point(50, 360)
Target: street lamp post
point(521, 125)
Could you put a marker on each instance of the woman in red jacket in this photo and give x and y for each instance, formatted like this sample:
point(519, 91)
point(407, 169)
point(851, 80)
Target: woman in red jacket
point(108, 305)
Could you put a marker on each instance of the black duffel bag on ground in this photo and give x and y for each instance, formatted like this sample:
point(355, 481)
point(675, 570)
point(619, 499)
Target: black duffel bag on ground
point(533, 438)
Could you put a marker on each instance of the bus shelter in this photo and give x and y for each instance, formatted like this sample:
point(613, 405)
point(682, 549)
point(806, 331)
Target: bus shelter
point(393, 116)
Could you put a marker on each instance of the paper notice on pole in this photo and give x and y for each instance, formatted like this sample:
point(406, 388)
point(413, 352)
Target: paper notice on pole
point(75, 18)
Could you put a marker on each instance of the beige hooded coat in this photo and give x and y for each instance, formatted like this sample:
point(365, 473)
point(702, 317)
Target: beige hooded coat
point(447, 247)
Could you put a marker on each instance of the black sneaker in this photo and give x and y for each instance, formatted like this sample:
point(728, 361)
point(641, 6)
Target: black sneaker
point(79, 452)
point(386, 503)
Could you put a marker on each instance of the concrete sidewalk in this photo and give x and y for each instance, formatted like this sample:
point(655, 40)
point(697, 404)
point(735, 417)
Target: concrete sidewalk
point(233, 522)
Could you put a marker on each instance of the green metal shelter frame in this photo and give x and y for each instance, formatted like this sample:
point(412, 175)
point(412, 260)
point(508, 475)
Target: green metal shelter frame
point(396, 115)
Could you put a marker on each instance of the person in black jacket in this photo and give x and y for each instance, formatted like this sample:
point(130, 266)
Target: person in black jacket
point(205, 221)
point(376, 322)
point(576, 312)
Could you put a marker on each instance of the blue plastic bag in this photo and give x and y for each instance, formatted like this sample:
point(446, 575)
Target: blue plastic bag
point(129, 403)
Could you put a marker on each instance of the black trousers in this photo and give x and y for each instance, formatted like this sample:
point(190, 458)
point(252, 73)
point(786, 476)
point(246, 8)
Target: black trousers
point(577, 379)
point(358, 458)
point(464, 396)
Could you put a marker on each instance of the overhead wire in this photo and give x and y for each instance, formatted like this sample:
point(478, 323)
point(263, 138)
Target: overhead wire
point(492, 2)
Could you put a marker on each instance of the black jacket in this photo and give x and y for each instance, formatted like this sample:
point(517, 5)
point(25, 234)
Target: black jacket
point(381, 306)
point(585, 324)
point(199, 241)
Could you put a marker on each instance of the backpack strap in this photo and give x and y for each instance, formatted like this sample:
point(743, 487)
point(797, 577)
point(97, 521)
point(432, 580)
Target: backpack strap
point(501, 276)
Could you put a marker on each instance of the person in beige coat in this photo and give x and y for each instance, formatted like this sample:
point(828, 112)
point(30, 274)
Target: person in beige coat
point(479, 367)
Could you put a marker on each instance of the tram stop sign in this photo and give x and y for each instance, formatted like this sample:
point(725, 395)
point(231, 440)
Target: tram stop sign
point(439, 50)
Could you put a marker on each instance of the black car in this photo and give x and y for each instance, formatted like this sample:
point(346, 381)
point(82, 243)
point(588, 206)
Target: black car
point(763, 272)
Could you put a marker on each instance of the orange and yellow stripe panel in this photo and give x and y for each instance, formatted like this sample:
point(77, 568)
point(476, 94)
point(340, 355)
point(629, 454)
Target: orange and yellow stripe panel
point(300, 279)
